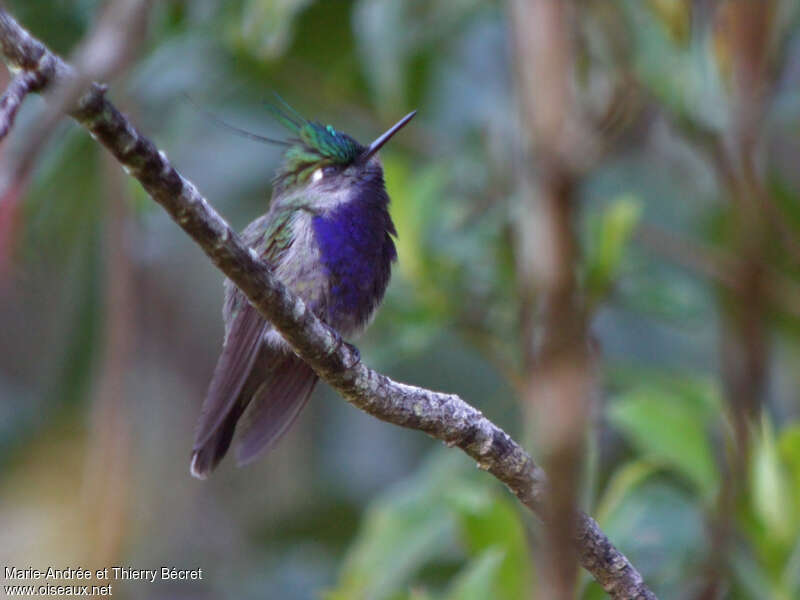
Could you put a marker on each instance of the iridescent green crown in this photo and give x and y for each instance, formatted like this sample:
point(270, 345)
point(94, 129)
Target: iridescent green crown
point(315, 144)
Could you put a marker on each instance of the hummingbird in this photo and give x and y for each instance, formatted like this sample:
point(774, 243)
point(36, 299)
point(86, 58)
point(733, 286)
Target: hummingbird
point(328, 237)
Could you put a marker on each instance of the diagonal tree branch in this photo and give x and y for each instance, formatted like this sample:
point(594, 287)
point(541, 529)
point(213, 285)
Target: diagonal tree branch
point(443, 416)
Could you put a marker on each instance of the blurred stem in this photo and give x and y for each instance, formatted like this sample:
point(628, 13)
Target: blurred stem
point(558, 381)
point(108, 440)
point(557, 366)
point(744, 28)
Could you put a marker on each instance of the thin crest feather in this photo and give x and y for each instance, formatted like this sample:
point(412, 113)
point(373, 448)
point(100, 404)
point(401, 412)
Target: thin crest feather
point(287, 115)
point(315, 142)
point(237, 130)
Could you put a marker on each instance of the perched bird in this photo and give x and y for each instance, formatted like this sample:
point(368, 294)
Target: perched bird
point(328, 238)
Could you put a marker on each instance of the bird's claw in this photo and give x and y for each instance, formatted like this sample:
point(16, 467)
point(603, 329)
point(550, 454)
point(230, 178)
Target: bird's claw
point(354, 352)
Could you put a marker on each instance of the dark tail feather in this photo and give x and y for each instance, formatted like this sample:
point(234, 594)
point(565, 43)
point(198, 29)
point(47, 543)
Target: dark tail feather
point(207, 457)
point(233, 373)
point(275, 406)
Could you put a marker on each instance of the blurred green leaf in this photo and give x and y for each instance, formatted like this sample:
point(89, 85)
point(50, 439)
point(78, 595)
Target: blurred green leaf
point(396, 540)
point(266, 26)
point(771, 487)
point(477, 580)
point(789, 448)
point(403, 530)
point(492, 524)
point(790, 577)
point(624, 480)
point(753, 580)
point(416, 208)
point(668, 424)
point(685, 79)
point(660, 529)
point(609, 234)
point(445, 510)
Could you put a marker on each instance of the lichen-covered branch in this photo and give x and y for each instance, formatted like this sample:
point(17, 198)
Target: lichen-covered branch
point(443, 416)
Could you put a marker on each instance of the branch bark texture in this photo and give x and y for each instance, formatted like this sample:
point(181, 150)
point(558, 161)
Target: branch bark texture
point(443, 416)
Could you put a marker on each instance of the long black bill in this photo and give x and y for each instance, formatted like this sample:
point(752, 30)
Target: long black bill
point(377, 144)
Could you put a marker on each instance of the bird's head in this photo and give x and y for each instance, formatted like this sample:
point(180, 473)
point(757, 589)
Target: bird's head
point(320, 156)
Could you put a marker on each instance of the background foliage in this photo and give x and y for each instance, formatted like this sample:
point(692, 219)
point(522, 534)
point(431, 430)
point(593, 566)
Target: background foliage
point(110, 318)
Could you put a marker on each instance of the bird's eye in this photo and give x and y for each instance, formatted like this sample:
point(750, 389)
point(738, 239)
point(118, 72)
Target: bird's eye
point(326, 171)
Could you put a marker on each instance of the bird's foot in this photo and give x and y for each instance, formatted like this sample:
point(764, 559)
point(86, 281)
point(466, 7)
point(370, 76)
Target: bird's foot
point(354, 354)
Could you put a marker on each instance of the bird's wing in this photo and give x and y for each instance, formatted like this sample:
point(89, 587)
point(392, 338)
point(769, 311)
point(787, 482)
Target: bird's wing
point(245, 329)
